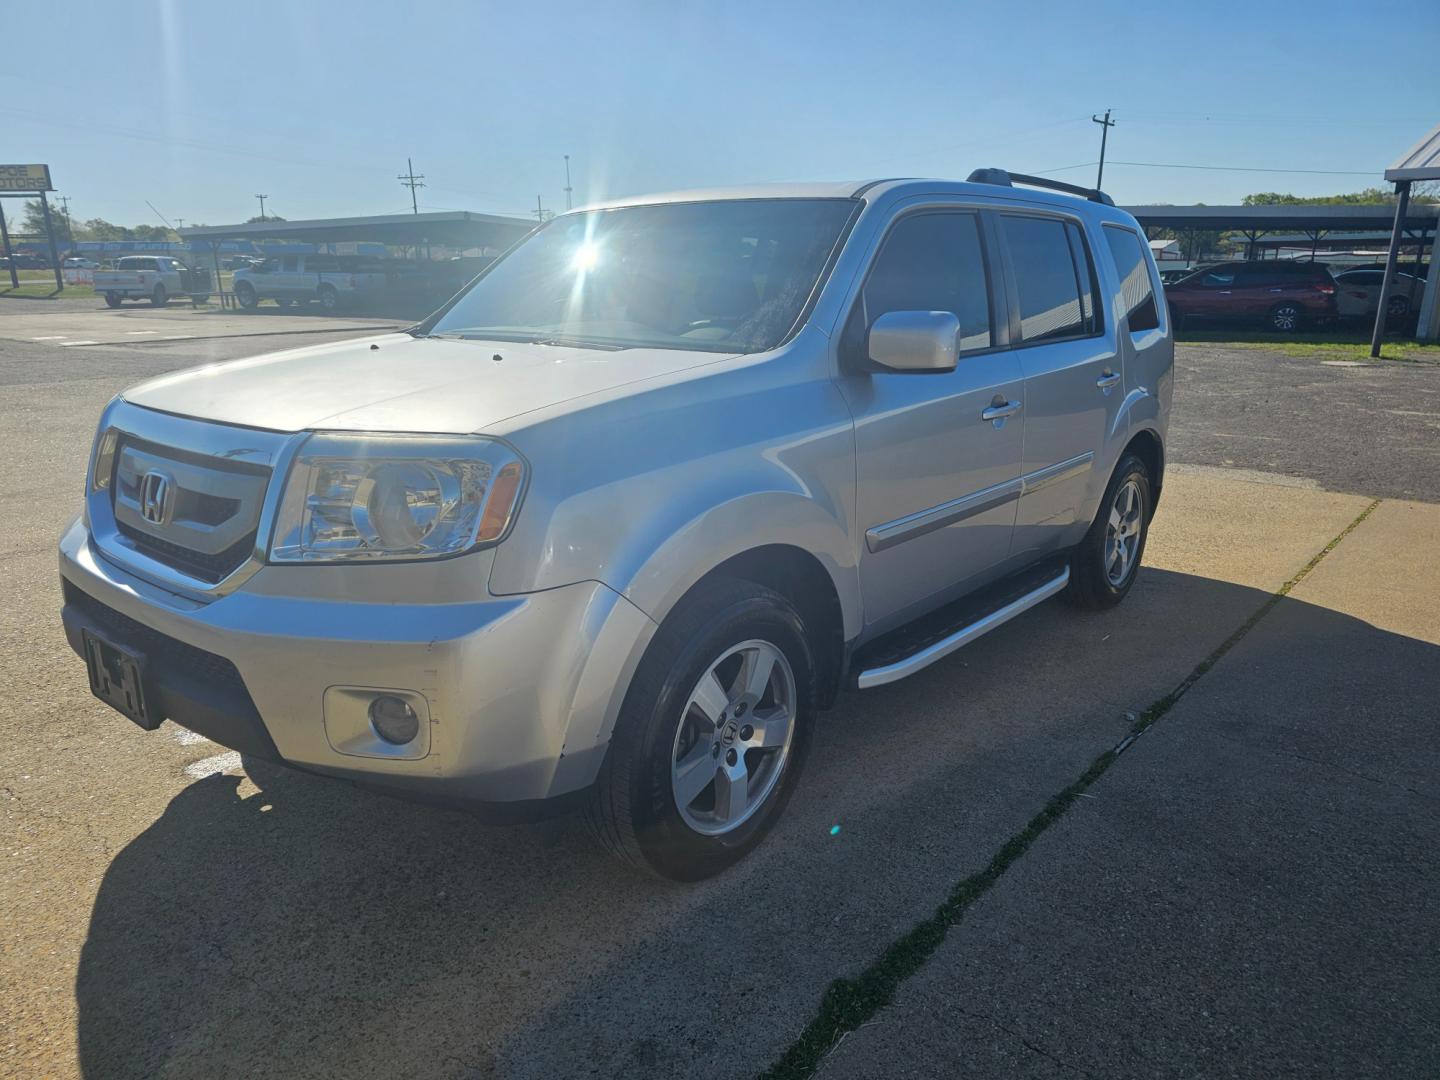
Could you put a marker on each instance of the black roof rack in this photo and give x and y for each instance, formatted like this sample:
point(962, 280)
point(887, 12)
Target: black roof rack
point(1009, 179)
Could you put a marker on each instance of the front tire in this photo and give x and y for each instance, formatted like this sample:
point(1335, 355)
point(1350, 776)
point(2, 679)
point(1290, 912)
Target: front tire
point(246, 296)
point(712, 735)
point(329, 298)
point(159, 298)
point(1106, 562)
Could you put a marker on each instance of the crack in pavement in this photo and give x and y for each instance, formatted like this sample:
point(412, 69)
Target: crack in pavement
point(849, 1002)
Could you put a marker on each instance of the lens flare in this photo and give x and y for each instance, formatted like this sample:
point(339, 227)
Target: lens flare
point(586, 256)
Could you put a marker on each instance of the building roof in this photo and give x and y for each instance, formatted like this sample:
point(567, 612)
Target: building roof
point(1421, 161)
point(455, 228)
point(1268, 218)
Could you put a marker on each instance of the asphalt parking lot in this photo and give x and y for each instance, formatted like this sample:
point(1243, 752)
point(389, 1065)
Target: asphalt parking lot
point(1251, 888)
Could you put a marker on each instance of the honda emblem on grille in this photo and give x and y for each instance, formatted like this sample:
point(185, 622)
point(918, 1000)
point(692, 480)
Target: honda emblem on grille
point(155, 488)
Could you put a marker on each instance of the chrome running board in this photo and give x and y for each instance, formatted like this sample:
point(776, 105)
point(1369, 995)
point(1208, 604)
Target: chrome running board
point(923, 658)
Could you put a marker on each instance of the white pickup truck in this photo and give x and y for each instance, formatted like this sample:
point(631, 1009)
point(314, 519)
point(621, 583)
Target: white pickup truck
point(331, 280)
point(151, 277)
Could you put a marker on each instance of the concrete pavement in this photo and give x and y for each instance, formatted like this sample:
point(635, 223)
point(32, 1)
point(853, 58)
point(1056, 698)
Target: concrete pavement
point(1252, 889)
point(175, 322)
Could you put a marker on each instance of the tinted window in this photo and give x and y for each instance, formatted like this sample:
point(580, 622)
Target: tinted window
point(1137, 292)
point(1085, 272)
point(932, 262)
point(1049, 292)
point(1220, 277)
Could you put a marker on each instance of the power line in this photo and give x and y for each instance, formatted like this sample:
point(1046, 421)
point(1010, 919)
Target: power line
point(1246, 168)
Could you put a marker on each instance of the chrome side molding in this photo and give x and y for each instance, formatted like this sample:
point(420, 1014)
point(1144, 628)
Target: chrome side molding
point(945, 646)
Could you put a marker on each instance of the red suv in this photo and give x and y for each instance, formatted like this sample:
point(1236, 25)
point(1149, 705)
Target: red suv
point(1283, 294)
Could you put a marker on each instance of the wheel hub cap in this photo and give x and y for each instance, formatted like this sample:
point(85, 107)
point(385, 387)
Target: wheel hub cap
point(722, 770)
point(1122, 533)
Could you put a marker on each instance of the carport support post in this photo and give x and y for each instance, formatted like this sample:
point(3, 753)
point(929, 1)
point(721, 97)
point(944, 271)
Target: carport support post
point(5, 238)
point(50, 236)
point(1402, 204)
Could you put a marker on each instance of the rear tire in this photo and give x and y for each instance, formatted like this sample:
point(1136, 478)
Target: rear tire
point(670, 730)
point(1397, 307)
point(112, 299)
point(328, 297)
point(1105, 564)
point(1285, 317)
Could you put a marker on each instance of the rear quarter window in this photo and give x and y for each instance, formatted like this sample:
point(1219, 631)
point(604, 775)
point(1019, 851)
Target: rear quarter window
point(1137, 290)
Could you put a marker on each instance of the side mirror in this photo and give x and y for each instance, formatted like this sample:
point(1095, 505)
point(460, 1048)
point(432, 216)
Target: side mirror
point(917, 341)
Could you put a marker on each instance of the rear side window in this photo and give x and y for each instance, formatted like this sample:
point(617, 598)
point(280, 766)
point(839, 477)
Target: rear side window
point(1047, 285)
point(932, 262)
point(1137, 293)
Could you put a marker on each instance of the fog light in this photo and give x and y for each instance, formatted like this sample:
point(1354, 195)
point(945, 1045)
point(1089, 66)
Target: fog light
point(394, 720)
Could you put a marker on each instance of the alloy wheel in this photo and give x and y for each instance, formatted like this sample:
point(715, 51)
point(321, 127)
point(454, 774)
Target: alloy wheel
point(734, 738)
point(1122, 533)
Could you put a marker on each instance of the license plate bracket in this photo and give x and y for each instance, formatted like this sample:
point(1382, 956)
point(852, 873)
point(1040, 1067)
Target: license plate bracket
point(117, 677)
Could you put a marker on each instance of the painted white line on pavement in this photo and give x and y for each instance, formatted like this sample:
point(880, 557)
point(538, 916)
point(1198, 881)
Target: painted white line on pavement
point(142, 331)
point(211, 765)
point(176, 337)
point(50, 337)
point(68, 344)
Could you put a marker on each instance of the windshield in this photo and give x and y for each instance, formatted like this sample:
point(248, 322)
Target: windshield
point(719, 276)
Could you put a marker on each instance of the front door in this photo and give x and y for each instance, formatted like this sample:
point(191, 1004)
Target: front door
point(937, 455)
point(1073, 378)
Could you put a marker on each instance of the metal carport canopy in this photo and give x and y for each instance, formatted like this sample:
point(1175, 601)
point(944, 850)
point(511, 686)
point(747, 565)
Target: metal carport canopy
point(1380, 216)
point(455, 228)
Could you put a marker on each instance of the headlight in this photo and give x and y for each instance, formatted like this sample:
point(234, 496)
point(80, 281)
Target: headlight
point(351, 497)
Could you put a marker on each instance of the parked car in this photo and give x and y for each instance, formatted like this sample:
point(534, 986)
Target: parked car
point(1283, 295)
point(1170, 276)
point(332, 281)
point(78, 262)
point(1404, 266)
point(1359, 294)
point(614, 524)
point(156, 278)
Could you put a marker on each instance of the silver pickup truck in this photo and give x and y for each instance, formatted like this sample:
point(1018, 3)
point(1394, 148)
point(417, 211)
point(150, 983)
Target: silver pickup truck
point(616, 524)
point(332, 281)
point(156, 278)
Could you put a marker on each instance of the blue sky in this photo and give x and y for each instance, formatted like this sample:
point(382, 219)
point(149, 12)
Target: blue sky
point(198, 106)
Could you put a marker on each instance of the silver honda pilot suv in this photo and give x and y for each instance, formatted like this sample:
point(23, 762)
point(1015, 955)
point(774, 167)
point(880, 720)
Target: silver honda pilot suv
point(619, 521)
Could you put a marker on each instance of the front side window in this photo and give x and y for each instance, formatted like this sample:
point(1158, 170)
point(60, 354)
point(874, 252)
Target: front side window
point(1045, 278)
point(292, 263)
point(1137, 292)
point(730, 276)
point(932, 262)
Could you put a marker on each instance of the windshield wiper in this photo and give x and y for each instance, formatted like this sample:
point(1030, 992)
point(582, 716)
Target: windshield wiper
point(577, 343)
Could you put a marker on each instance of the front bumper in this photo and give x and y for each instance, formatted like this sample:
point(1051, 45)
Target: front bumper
point(522, 691)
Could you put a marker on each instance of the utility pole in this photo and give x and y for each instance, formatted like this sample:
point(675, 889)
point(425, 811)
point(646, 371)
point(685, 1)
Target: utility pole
point(412, 181)
point(1105, 126)
point(539, 210)
point(262, 199)
point(569, 203)
point(64, 201)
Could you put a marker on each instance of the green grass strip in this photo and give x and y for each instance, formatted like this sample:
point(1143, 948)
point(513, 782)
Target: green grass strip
point(848, 1003)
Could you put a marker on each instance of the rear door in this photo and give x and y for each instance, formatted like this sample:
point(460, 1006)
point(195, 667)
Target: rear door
point(937, 475)
point(289, 282)
point(1072, 369)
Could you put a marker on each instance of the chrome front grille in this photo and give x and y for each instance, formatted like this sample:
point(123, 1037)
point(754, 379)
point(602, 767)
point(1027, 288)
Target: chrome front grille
point(182, 502)
point(195, 513)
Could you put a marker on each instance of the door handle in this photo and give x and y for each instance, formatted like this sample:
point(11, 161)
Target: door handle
point(1107, 381)
point(1224, 292)
point(1001, 411)
point(1275, 290)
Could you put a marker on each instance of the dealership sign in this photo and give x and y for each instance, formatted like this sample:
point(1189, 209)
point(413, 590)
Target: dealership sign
point(25, 178)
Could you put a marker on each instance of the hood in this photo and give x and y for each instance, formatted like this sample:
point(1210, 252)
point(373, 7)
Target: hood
point(400, 383)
